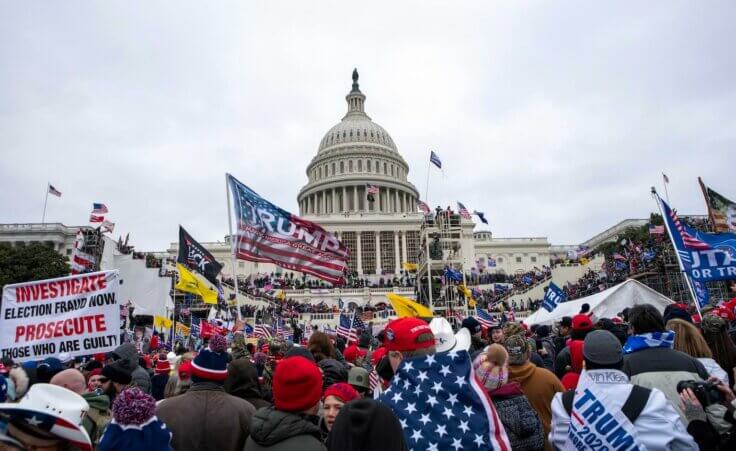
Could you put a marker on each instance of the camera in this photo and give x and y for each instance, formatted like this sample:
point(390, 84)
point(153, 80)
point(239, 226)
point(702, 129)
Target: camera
point(706, 392)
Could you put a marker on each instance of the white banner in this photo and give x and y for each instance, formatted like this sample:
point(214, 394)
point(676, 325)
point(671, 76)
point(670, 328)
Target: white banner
point(78, 315)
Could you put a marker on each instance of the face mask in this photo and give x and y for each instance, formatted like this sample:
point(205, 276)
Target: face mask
point(384, 369)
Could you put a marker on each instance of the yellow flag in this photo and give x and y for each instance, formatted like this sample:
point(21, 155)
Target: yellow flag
point(182, 328)
point(468, 295)
point(584, 261)
point(410, 266)
point(190, 283)
point(161, 322)
point(281, 295)
point(405, 307)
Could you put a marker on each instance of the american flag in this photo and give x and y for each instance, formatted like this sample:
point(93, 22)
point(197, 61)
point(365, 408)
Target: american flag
point(484, 318)
point(285, 240)
point(442, 406)
point(373, 380)
point(656, 230)
point(463, 211)
point(423, 207)
point(99, 209)
point(688, 240)
point(371, 189)
point(96, 218)
point(434, 159)
point(262, 331)
point(358, 323)
point(346, 329)
point(54, 191)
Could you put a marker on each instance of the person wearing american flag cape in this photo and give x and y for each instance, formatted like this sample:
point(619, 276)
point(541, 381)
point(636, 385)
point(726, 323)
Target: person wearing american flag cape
point(435, 395)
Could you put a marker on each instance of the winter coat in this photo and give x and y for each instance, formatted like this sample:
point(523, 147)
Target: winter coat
point(129, 356)
point(663, 368)
point(520, 420)
point(276, 430)
point(206, 418)
point(713, 368)
point(658, 426)
point(539, 385)
point(98, 415)
point(242, 381)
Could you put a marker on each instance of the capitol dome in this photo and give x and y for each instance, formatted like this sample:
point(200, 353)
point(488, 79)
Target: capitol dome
point(356, 158)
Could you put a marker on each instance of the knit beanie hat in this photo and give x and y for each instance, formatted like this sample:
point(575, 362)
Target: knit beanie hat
point(185, 370)
point(134, 424)
point(517, 348)
point(490, 367)
point(117, 372)
point(211, 363)
point(342, 391)
point(513, 329)
point(296, 384)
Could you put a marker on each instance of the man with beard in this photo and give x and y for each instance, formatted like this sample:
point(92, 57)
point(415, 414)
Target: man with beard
point(115, 378)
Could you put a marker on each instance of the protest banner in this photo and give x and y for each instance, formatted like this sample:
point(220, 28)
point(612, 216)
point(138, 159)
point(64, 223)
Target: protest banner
point(553, 296)
point(78, 315)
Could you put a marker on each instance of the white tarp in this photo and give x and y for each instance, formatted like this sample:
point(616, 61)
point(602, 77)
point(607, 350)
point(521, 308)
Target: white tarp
point(148, 292)
point(606, 304)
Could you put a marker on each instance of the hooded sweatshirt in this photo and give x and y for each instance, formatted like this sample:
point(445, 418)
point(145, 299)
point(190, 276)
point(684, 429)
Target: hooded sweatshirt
point(242, 381)
point(539, 385)
point(276, 430)
point(129, 356)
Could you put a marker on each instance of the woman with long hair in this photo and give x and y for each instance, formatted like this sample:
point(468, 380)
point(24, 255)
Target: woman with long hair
point(720, 344)
point(689, 340)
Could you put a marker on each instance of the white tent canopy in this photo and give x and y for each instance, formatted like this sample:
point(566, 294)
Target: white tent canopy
point(606, 304)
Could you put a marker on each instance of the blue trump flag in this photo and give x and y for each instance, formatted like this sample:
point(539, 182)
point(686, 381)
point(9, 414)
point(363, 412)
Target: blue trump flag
point(701, 292)
point(705, 257)
point(552, 297)
point(452, 274)
point(442, 406)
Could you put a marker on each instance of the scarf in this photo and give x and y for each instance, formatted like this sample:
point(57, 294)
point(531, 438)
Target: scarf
point(650, 340)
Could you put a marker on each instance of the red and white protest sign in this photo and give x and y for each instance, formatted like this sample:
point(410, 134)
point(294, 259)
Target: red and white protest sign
point(78, 315)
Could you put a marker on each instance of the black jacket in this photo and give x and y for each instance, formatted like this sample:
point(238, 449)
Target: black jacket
point(242, 382)
point(275, 430)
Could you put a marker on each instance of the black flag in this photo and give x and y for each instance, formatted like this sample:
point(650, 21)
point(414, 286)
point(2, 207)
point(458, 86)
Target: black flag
point(197, 258)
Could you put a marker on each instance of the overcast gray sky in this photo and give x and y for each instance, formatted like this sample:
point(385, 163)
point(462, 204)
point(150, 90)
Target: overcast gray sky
point(554, 118)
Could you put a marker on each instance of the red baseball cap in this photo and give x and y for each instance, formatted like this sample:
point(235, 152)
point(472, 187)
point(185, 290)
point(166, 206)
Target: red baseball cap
point(581, 322)
point(408, 334)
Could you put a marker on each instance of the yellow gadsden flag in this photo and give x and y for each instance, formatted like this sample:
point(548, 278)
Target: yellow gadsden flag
point(405, 307)
point(182, 329)
point(190, 283)
point(161, 322)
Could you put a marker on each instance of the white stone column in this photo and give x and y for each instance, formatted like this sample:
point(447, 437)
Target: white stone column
point(378, 252)
point(407, 208)
point(359, 251)
point(309, 204)
point(397, 260)
point(324, 201)
point(344, 199)
point(403, 247)
point(397, 203)
point(334, 200)
point(355, 198)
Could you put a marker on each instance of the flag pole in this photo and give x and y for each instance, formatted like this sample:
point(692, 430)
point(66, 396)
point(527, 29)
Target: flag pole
point(665, 179)
point(232, 247)
point(688, 282)
point(426, 186)
point(43, 218)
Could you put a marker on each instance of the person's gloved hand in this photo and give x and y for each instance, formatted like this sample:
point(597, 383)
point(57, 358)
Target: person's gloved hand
point(691, 407)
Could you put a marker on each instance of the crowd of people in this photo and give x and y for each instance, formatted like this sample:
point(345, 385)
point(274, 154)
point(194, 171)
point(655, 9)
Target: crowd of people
point(640, 380)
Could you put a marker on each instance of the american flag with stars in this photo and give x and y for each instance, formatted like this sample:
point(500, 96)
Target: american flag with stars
point(346, 328)
point(485, 319)
point(463, 211)
point(442, 406)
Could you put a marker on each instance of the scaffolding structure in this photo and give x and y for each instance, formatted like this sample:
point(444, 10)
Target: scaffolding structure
point(92, 243)
point(440, 238)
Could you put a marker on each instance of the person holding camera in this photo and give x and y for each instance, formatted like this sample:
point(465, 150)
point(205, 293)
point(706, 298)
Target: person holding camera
point(695, 399)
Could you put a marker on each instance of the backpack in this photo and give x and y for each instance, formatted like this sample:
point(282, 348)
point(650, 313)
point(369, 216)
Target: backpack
point(632, 408)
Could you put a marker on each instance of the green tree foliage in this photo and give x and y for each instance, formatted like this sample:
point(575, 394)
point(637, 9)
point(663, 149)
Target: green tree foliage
point(36, 261)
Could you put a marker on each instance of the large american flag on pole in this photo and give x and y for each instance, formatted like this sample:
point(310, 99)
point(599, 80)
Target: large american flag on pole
point(484, 318)
point(269, 234)
point(442, 406)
